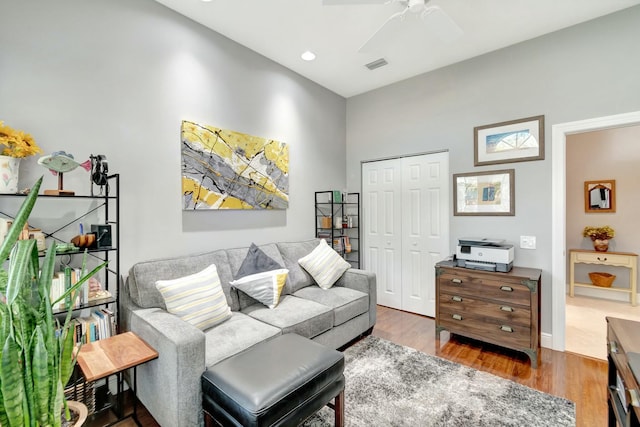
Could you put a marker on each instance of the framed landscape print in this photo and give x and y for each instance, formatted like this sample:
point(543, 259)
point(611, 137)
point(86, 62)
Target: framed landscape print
point(507, 142)
point(484, 193)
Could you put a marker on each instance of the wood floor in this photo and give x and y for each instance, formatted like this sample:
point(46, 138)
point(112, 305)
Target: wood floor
point(580, 379)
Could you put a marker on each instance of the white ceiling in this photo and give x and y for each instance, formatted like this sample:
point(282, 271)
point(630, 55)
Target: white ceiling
point(282, 29)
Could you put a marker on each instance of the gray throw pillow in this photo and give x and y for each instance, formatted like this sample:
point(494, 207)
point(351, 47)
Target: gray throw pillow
point(256, 261)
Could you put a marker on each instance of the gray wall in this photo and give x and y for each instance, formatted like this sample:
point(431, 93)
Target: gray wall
point(586, 71)
point(117, 77)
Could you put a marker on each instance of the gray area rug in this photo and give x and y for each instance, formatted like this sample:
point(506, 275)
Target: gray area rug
point(391, 385)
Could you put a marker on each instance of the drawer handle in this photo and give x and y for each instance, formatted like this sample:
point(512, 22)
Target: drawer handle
point(506, 308)
point(635, 397)
point(603, 259)
point(456, 316)
point(505, 328)
point(456, 298)
point(458, 281)
point(506, 288)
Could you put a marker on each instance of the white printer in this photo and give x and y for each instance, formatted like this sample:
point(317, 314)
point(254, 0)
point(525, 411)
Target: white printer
point(484, 254)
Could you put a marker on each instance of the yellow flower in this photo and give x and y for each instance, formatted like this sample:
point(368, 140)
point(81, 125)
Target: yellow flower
point(17, 143)
point(599, 233)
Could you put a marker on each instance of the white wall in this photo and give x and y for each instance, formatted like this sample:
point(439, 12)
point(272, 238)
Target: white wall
point(117, 77)
point(586, 71)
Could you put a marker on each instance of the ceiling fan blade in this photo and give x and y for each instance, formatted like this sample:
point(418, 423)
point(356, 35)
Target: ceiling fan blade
point(348, 2)
point(441, 24)
point(383, 36)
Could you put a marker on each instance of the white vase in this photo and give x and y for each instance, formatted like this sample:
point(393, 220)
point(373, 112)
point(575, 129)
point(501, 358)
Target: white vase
point(9, 167)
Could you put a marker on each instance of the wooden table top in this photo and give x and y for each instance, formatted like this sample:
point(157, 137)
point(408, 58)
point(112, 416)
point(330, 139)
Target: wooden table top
point(111, 355)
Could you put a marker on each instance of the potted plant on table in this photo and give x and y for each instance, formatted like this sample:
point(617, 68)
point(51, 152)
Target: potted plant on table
point(600, 236)
point(14, 145)
point(37, 353)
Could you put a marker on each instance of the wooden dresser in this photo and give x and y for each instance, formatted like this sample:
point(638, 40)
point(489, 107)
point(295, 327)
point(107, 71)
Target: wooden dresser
point(623, 351)
point(498, 308)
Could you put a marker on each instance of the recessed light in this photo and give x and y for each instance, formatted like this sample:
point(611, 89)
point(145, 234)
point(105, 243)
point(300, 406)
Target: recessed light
point(308, 56)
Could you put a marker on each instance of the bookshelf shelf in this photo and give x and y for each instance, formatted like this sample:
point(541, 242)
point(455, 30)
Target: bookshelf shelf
point(337, 221)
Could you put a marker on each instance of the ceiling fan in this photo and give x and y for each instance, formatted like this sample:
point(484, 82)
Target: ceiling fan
point(416, 17)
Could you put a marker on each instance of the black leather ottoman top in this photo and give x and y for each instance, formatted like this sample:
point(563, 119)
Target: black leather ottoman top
point(278, 382)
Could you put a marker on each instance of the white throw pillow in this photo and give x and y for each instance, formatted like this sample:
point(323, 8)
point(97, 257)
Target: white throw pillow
point(324, 264)
point(197, 298)
point(265, 287)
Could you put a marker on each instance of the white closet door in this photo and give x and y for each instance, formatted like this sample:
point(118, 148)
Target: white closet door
point(381, 207)
point(425, 228)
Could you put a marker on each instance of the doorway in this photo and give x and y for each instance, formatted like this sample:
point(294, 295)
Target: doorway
point(558, 203)
point(405, 204)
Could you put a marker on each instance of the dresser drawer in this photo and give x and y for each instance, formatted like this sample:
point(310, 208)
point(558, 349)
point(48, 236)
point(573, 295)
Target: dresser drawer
point(489, 287)
point(487, 329)
point(605, 258)
point(506, 313)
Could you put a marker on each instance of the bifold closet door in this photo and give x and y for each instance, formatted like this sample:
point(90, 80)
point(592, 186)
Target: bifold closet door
point(425, 228)
point(406, 227)
point(381, 200)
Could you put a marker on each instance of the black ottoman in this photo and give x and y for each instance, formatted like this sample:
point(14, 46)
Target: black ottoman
point(280, 382)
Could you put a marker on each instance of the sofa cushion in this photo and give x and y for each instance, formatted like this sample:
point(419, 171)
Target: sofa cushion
point(292, 252)
point(256, 261)
point(324, 264)
point(264, 287)
point(237, 255)
point(346, 303)
point(295, 315)
point(197, 298)
point(143, 277)
point(235, 335)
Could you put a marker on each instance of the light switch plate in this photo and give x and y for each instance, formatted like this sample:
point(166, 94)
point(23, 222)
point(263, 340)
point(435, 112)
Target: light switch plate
point(527, 242)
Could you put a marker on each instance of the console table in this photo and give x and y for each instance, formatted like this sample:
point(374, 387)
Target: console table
point(112, 356)
point(616, 259)
point(623, 349)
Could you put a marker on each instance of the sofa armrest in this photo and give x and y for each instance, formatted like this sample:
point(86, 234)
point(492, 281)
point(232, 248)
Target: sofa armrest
point(169, 386)
point(363, 281)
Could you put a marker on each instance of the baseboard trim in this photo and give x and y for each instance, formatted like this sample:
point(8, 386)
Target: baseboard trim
point(546, 340)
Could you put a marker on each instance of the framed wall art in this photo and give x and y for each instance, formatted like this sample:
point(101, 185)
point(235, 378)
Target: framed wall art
point(226, 169)
point(600, 196)
point(507, 142)
point(484, 193)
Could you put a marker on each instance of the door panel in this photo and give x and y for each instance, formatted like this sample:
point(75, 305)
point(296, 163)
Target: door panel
point(381, 238)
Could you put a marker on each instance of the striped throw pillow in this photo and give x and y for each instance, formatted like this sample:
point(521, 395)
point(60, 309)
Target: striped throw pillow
point(265, 287)
point(324, 264)
point(197, 298)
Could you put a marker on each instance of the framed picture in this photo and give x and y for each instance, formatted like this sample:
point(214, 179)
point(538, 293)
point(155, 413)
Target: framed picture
point(600, 196)
point(507, 142)
point(484, 193)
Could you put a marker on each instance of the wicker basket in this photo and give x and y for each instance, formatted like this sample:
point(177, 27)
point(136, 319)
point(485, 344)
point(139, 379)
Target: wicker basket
point(603, 280)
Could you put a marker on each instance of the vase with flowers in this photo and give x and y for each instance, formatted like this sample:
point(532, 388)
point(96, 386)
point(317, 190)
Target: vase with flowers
point(14, 145)
point(600, 236)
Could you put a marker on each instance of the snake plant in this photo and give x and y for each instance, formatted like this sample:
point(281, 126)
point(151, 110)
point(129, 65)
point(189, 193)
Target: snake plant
point(36, 351)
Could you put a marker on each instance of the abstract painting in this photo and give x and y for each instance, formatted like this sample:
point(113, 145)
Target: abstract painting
point(225, 169)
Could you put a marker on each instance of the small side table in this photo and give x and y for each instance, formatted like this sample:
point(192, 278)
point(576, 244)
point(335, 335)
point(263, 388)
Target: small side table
point(113, 356)
point(617, 259)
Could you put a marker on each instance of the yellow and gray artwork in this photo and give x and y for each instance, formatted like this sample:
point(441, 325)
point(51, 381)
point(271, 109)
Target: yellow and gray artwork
point(224, 169)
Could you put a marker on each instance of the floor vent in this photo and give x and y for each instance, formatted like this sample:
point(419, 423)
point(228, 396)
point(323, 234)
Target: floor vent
point(376, 64)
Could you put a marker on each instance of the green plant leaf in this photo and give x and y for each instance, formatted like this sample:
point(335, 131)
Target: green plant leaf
point(19, 221)
point(12, 382)
point(41, 381)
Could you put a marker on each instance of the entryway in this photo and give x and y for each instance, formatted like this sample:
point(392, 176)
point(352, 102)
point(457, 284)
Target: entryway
point(405, 230)
point(558, 229)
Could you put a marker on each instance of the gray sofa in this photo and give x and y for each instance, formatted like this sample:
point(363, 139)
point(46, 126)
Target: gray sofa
point(169, 386)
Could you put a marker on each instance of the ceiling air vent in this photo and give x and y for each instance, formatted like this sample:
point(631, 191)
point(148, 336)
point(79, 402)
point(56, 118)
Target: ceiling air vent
point(376, 64)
